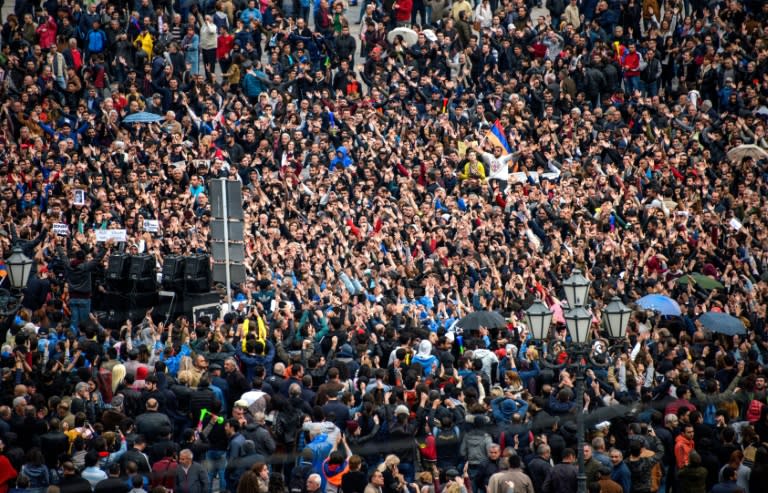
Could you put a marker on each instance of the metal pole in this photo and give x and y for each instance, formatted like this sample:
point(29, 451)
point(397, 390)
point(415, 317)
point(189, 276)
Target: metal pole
point(582, 476)
point(226, 242)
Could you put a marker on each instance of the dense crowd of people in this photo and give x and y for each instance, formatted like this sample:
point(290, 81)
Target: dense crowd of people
point(404, 164)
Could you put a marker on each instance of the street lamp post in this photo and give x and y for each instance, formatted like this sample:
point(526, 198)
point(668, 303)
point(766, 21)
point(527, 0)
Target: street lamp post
point(578, 320)
point(576, 289)
point(539, 318)
point(616, 317)
point(19, 268)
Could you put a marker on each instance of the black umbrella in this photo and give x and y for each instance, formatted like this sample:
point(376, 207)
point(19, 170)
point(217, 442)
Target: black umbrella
point(475, 320)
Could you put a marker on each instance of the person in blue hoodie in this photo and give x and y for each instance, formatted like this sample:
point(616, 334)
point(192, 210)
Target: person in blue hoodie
point(504, 408)
point(320, 445)
point(342, 159)
point(36, 471)
point(425, 358)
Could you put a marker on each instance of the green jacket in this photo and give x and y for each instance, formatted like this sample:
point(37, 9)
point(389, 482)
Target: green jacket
point(706, 399)
point(693, 479)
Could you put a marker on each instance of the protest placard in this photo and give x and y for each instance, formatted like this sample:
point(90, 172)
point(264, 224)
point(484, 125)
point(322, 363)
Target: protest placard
point(117, 235)
point(151, 225)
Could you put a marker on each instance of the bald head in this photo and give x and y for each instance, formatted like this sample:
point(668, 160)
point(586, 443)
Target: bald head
point(294, 390)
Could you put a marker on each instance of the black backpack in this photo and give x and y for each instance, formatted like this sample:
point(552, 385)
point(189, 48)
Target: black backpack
point(448, 436)
point(386, 420)
point(299, 477)
point(287, 424)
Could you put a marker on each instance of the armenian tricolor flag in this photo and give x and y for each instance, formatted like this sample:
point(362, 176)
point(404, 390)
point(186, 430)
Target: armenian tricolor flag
point(496, 136)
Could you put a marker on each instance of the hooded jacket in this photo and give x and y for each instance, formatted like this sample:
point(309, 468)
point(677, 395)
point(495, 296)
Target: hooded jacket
point(504, 408)
point(488, 358)
point(251, 360)
point(321, 447)
point(254, 83)
point(38, 475)
point(425, 358)
point(343, 160)
point(475, 443)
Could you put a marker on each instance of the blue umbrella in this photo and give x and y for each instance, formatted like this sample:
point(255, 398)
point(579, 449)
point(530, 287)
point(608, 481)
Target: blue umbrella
point(142, 117)
point(660, 303)
point(722, 323)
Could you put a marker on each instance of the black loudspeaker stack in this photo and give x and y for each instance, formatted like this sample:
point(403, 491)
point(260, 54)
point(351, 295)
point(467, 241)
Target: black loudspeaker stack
point(186, 283)
point(132, 288)
point(170, 307)
point(119, 307)
point(197, 274)
point(173, 273)
point(118, 266)
point(131, 273)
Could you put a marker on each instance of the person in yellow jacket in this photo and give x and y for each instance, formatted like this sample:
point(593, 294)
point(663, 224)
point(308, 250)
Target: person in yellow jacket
point(474, 169)
point(145, 42)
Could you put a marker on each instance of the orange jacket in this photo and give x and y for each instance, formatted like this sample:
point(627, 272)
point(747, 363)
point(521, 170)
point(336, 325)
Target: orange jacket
point(683, 447)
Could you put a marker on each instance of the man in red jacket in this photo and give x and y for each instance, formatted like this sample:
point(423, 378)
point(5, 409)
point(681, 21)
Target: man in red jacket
point(224, 44)
point(403, 10)
point(46, 33)
point(631, 67)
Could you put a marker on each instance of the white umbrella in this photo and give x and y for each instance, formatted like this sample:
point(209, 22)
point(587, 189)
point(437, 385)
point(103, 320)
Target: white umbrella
point(747, 150)
point(256, 400)
point(409, 35)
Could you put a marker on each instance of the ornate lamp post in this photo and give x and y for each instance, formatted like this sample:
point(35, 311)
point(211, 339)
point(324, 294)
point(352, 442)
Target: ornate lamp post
point(576, 289)
point(19, 268)
point(616, 317)
point(578, 320)
point(539, 318)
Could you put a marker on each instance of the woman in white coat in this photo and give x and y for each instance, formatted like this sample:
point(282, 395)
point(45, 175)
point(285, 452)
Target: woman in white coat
point(484, 15)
